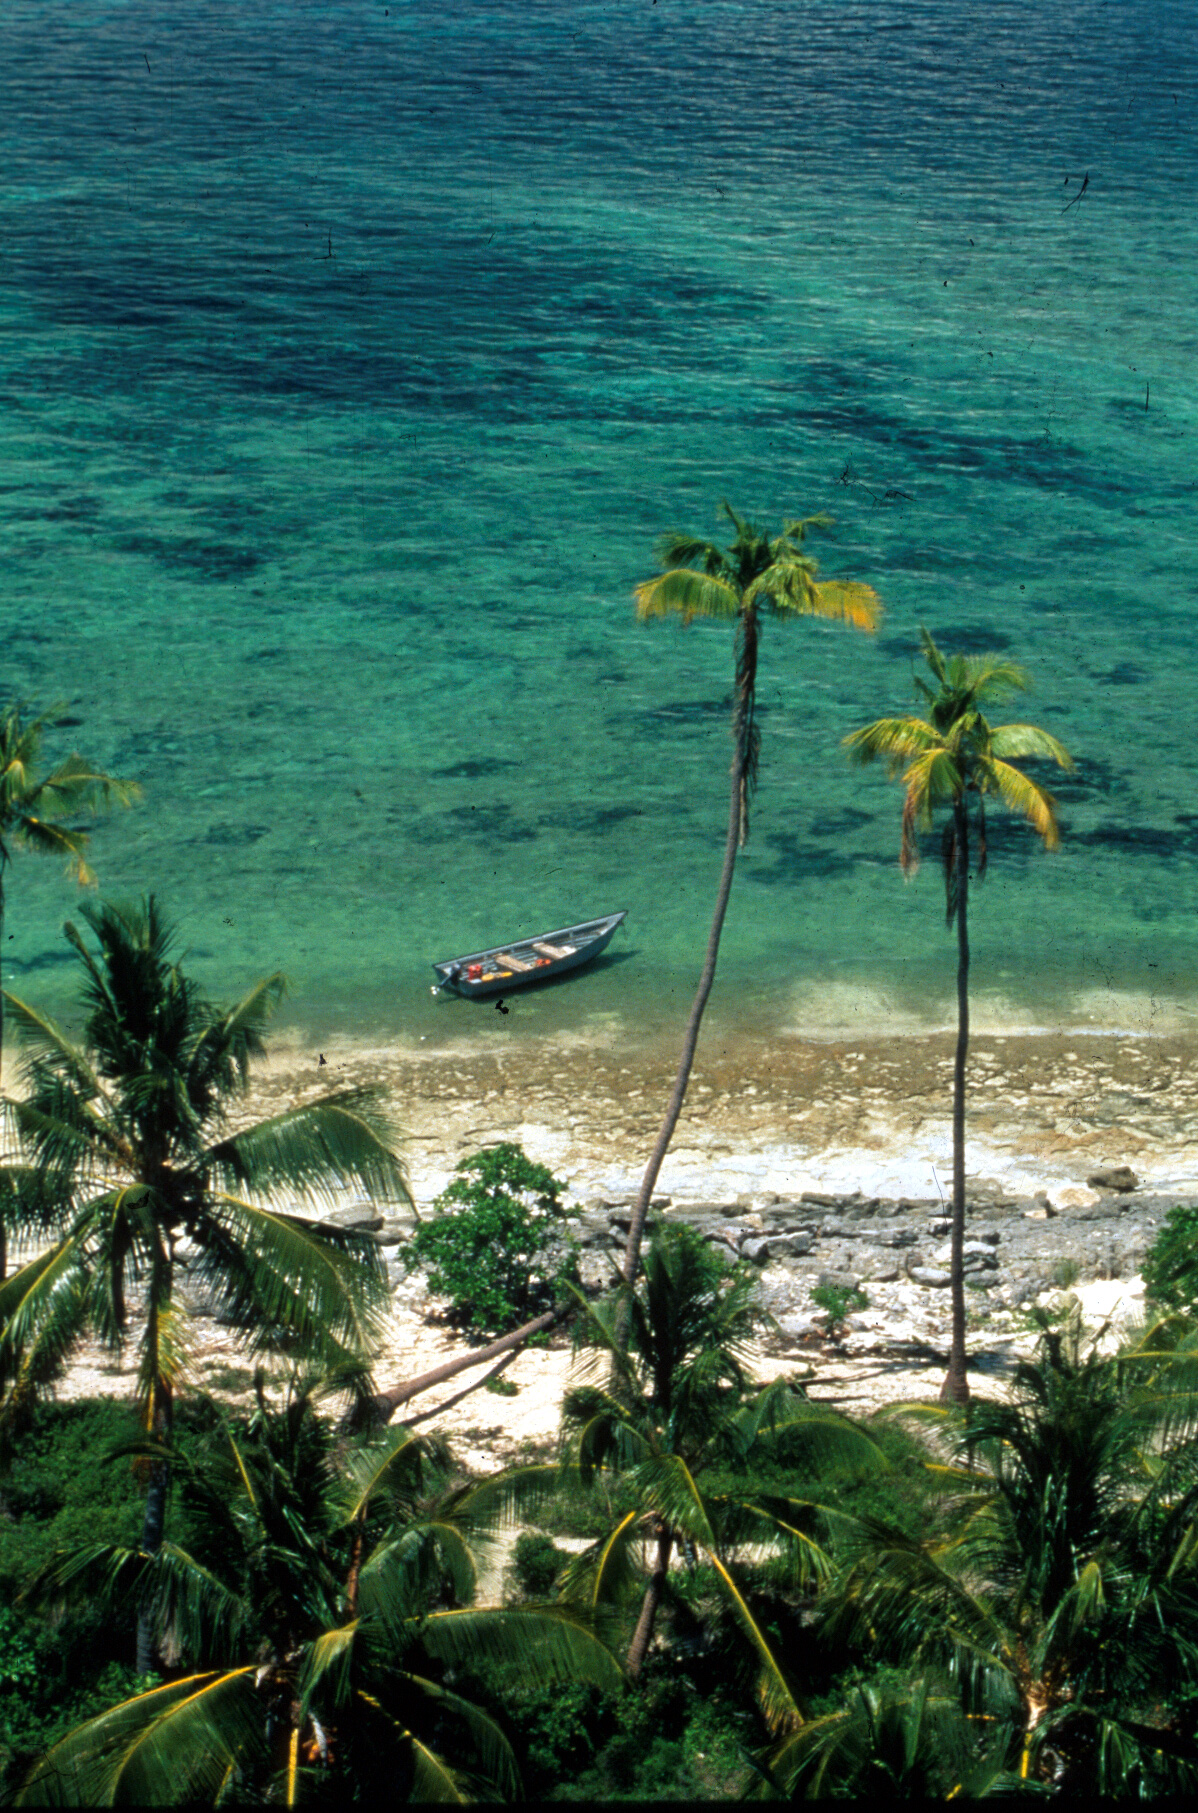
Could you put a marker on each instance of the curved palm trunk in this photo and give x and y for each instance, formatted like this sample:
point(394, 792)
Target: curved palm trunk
point(955, 1388)
point(388, 1402)
point(632, 1250)
point(643, 1634)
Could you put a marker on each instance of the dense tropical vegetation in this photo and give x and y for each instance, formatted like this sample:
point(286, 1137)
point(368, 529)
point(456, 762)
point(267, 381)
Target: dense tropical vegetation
point(131, 1137)
point(315, 1624)
point(956, 759)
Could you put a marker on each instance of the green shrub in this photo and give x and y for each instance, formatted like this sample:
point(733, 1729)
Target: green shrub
point(1065, 1273)
point(1171, 1268)
point(494, 1244)
point(537, 1561)
point(838, 1303)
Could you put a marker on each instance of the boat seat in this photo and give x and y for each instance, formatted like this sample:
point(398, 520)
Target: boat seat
point(554, 950)
point(519, 964)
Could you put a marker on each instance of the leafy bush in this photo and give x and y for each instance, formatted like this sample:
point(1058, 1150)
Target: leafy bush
point(537, 1561)
point(838, 1303)
point(494, 1244)
point(1171, 1268)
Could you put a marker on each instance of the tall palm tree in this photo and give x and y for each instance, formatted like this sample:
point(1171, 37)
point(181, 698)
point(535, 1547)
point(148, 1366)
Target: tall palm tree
point(1060, 1597)
point(319, 1613)
point(956, 759)
point(758, 575)
point(33, 807)
point(134, 1130)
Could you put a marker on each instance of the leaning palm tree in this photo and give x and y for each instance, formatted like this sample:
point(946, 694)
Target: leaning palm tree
point(133, 1132)
point(319, 1613)
point(759, 574)
point(954, 758)
point(33, 807)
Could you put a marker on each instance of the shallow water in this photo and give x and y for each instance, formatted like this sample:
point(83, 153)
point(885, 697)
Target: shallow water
point(352, 366)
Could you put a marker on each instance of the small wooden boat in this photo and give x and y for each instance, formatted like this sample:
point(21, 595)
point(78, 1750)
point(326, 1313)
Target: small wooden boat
point(509, 966)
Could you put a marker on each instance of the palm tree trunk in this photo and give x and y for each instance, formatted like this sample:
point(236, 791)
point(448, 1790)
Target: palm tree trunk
point(632, 1250)
point(388, 1402)
point(154, 1524)
point(956, 1382)
point(643, 1634)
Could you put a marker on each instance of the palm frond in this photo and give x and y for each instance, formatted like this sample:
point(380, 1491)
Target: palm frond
point(1010, 741)
point(548, 1642)
point(394, 1465)
point(433, 1779)
point(177, 1592)
point(316, 1150)
point(173, 1744)
point(322, 1285)
point(681, 593)
point(1020, 794)
point(667, 1483)
point(677, 550)
point(50, 839)
point(42, 1037)
point(779, 1703)
point(326, 1666)
point(513, 1497)
point(601, 1578)
point(232, 1037)
point(76, 786)
point(43, 1308)
point(894, 741)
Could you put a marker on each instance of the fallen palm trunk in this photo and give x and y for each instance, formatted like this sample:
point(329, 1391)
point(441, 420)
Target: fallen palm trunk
point(388, 1402)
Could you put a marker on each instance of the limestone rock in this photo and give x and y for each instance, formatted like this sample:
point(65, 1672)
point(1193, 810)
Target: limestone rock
point(1117, 1177)
point(977, 1255)
point(931, 1276)
point(897, 1237)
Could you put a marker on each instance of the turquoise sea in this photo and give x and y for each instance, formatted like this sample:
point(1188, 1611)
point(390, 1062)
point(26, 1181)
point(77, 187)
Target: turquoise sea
point(353, 358)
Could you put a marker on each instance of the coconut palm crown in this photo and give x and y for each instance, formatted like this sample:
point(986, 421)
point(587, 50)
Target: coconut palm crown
point(955, 752)
point(957, 759)
point(759, 572)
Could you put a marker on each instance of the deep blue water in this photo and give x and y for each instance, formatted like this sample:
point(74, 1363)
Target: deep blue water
point(353, 358)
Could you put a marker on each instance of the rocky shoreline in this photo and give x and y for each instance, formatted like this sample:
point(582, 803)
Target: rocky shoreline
point(814, 1161)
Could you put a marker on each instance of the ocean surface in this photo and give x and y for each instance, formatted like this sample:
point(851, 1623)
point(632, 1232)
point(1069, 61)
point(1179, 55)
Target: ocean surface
point(355, 355)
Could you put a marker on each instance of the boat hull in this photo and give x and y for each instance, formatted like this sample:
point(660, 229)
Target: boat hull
point(585, 941)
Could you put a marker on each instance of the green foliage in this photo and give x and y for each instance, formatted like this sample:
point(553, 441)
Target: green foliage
point(494, 1244)
point(537, 1562)
point(1171, 1267)
point(133, 1130)
point(328, 1585)
point(60, 1490)
point(1065, 1273)
point(681, 1737)
point(1057, 1595)
point(838, 1303)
